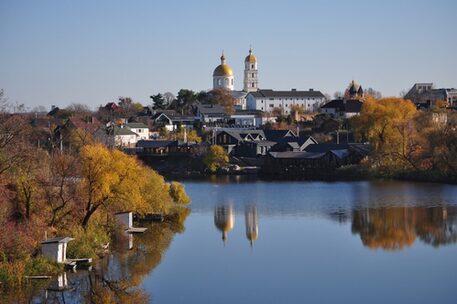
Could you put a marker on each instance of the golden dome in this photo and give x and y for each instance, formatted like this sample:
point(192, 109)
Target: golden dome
point(250, 58)
point(224, 219)
point(223, 70)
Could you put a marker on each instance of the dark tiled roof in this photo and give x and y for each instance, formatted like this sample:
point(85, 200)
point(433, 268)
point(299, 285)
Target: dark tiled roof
point(156, 143)
point(296, 155)
point(348, 106)
point(242, 134)
point(287, 94)
point(278, 135)
point(208, 109)
point(323, 148)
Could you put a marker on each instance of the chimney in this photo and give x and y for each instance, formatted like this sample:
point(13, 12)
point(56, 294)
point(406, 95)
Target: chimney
point(294, 90)
point(311, 90)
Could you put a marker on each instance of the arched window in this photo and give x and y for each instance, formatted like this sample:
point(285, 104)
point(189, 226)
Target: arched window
point(219, 82)
point(253, 85)
point(226, 81)
point(232, 81)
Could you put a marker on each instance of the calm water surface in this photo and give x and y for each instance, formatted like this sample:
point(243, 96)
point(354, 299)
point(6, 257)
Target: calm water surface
point(297, 242)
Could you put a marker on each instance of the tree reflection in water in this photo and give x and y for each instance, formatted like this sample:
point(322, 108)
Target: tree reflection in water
point(117, 277)
point(394, 228)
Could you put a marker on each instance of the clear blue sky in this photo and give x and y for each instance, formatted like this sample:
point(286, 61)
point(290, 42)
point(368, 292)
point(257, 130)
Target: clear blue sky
point(60, 52)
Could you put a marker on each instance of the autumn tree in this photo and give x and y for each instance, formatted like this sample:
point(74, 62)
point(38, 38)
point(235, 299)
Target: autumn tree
point(388, 125)
point(116, 181)
point(192, 136)
point(216, 158)
point(178, 193)
point(224, 98)
point(59, 186)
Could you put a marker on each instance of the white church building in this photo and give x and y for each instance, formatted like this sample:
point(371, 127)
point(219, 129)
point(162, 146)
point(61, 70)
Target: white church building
point(253, 98)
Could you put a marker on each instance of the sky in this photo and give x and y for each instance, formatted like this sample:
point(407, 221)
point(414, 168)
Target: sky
point(62, 52)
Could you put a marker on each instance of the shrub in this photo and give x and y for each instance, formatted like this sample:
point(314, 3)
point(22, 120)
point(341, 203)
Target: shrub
point(178, 194)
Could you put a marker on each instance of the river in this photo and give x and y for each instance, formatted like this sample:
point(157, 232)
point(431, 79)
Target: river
point(287, 242)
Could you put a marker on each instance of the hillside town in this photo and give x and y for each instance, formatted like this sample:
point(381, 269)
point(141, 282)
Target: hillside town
point(294, 133)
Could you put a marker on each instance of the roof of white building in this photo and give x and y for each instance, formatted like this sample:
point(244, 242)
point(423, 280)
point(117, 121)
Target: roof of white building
point(286, 94)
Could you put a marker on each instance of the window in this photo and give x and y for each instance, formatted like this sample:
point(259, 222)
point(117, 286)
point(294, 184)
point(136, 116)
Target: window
point(252, 75)
point(253, 85)
point(271, 105)
point(232, 81)
point(252, 66)
point(219, 82)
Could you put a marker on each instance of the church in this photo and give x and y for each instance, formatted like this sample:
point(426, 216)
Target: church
point(253, 98)
point(223, 78)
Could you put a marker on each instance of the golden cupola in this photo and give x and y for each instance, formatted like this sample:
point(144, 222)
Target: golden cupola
point(223, 69)
point(251, 57)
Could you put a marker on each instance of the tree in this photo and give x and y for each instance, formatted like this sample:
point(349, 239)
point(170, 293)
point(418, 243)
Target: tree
point(60, 188)
point(373, 93)
point(168, 97)
point(158, 101)
point(78, 108)
point(387, 124)
point(216, 158)
point(224, 98)
point(192, 136)
point(178, 194)
point(184, 101)
point(116, 181)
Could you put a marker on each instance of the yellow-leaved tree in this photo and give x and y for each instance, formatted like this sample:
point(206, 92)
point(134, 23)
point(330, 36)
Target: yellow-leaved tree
point(119, 182)
point(216, 158)
point(388, 125)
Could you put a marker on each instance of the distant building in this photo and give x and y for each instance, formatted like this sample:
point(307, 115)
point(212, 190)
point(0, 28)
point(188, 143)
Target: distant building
point(354, 91)
point(269, 100)
point(348, 106)
point(55, 249)
point(423, 95)
point(140, 129)
point(341, 108)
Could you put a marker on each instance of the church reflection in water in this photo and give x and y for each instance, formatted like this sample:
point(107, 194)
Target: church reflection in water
point(386, 228)
point(252, 223)
point(224, 220)
point(395, 228)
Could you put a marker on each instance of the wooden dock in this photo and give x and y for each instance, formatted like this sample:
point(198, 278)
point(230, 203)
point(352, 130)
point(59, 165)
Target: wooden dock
point(136, 230)
point(38, 277)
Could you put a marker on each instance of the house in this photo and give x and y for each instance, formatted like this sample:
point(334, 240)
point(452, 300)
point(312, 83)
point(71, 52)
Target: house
point(56, 249)
point(139, 128)
point(172, 121)
point(269, 100)
point(125, 219)
point(124, 137)
point(342, 108)
point(230, 139)
point(293, 143)
point(165, 147)
point(210, 113)
point(251, 143)
point(314, 160)
point(425, 96)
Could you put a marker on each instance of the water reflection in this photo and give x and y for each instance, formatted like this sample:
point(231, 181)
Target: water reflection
point(117, 277)
point(224, 219)
point(395, 228)
point(252, 223)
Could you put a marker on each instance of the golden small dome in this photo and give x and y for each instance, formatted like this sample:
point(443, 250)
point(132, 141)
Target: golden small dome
point(250, 58)
point(223, 70)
